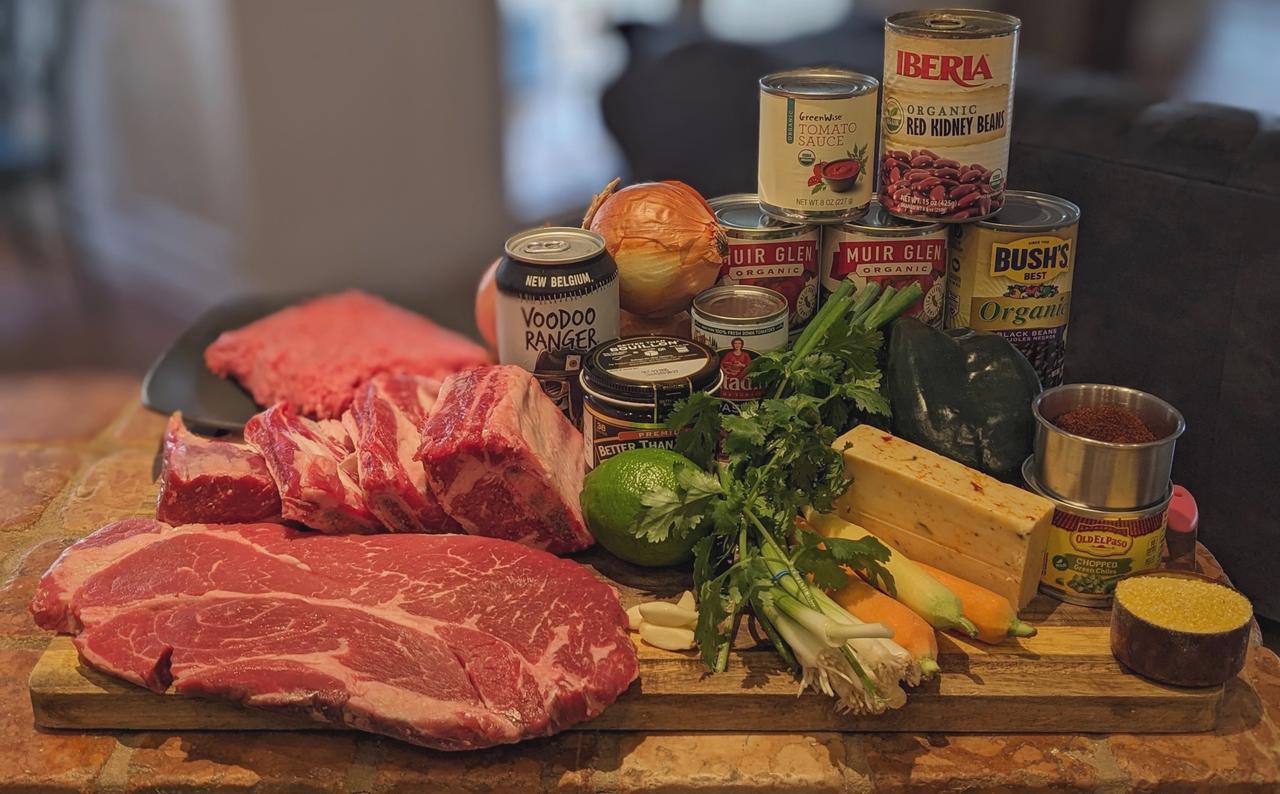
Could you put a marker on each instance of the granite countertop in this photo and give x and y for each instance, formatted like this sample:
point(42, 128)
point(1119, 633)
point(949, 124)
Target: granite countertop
point(76, 451)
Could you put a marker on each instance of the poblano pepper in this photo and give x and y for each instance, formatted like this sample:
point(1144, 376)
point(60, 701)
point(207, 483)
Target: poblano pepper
point(962, 393)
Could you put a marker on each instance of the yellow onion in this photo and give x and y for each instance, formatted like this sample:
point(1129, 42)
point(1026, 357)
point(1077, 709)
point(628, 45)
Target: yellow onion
point(664, 237)
point(486, 306)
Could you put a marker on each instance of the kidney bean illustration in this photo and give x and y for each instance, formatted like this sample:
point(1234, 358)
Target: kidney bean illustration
point(919, 182)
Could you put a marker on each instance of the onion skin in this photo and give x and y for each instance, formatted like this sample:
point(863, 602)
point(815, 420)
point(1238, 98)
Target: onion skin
point(486, 306)
point(665, 239)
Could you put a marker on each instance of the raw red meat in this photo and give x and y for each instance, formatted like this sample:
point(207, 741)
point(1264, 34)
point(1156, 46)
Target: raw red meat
point(447, 641)
point(385, 423)
point(503, 460)
point(218, 482)
point(314, 469)
point(315, 354)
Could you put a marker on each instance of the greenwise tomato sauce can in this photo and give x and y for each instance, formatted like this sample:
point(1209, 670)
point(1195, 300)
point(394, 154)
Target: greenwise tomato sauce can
point(767, 252)
point(892, 252)
point(817, 139)
point(948, 107)
point(631, 385)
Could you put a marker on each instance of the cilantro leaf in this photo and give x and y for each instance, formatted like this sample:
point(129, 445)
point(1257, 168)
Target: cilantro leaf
point(680, 509)
point(697, 418)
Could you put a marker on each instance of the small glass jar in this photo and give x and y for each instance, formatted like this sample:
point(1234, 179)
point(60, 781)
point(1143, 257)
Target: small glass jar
point(630, 386)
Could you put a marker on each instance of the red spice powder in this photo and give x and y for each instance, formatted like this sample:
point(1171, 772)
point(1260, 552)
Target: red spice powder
point(1108, 423)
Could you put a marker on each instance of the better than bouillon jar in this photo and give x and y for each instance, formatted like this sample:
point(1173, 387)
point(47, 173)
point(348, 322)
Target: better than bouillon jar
point(1012, 274)
point(948, 104)
point(629, 387)
point(767, 252)
point(892, 252)
point(557, 297)
point(739, 322)
point(817, 135)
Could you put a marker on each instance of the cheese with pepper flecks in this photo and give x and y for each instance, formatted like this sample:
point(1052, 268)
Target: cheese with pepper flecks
point(945, 514)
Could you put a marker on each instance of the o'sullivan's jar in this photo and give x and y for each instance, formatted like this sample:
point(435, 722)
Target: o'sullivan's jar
point(817, 135)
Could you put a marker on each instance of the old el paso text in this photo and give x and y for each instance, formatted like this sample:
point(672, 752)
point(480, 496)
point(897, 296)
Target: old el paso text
point(813, 134)
point(963, 70)
point(570, 280)
point(558, 328)
point(1005, 259)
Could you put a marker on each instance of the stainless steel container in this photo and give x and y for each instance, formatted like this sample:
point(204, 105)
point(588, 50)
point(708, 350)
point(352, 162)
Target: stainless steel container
point(1099, 474)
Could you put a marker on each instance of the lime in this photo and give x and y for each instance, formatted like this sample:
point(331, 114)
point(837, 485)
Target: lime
point(611, 503)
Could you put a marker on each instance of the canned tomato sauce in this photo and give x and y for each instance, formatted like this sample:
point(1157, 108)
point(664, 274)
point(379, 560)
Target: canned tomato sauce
point(817, 131)
point(767, 252)
point(557, 297)
point(739, 322)
point(948, 104)
point(630, 385)
point(1090, 550)
point(1012, 274)
point(892, 252)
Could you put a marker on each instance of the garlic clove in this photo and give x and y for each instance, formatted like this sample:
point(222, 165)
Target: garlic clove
point(666, 637)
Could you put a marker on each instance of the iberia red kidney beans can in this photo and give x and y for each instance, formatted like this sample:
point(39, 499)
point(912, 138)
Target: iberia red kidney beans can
point(892, 252)
point(767, 252)
point(948, 106)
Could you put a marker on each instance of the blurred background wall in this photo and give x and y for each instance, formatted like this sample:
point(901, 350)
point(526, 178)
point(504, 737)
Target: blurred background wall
point(157, 157)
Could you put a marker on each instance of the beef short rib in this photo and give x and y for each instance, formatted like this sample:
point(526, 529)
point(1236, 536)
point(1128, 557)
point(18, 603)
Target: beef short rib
point(448, 641)
point(207, 480)
point(504, 462)
point(385, 421)
point(314, 469)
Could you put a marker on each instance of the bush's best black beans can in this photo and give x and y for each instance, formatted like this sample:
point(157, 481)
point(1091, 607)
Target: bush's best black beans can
point(557, 297)
point(947, 111)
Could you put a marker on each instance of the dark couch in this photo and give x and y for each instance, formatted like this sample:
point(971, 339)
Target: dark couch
point(1178, 283)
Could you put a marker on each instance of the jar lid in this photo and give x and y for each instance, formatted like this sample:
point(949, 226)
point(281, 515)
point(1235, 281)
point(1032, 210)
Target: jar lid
point(649, 370)
point(1184, 516)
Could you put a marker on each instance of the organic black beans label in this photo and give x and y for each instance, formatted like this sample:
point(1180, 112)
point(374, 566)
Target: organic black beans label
point(945, 122)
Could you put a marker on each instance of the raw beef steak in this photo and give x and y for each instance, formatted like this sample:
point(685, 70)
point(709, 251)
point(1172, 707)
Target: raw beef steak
point(447, 641)
point(315, 354)
point(503, 460)
point(314, 469)
point(218, 482)
point(385, 423)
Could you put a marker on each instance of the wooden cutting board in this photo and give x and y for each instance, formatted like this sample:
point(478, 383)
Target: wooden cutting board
point(1063, 680)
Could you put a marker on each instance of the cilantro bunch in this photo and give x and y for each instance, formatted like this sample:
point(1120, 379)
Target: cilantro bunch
point(777, 457)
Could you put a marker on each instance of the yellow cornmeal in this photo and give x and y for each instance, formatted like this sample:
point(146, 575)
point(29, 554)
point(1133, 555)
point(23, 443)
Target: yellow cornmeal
point(1184, 604)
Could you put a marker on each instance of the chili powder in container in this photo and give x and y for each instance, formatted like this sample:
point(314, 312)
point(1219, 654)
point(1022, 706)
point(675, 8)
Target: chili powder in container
point(947, 112)
point(767, 252)
point(631, 385)
point(817, 138)
point(739, 322)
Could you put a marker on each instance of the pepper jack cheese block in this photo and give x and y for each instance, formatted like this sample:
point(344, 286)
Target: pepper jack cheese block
point(945, 514)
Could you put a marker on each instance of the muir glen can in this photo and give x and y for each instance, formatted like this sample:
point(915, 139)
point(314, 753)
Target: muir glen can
point(767, 252)
point(892, 252)
point(1012, 273)
point(817, 135)
point(557, 297)
point(948, 104)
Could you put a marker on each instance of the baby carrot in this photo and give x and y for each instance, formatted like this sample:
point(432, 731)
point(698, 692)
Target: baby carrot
point(910, 630)
point(994, 616)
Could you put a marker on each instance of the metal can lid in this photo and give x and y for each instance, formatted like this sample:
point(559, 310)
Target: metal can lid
point(879, 221)
point(648, 370)
point(823, 82)
point(741, 212)
point(1024, 211)
point(953, 23)
point(740, 304)
point(554, 245)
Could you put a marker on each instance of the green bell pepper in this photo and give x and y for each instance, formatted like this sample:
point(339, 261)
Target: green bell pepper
point(962, 393)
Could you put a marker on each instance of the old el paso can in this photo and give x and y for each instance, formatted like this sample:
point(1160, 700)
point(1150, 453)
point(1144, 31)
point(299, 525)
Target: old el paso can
point(767, 252)
point(557, 290)
point(817, 135)
point(948, 105)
